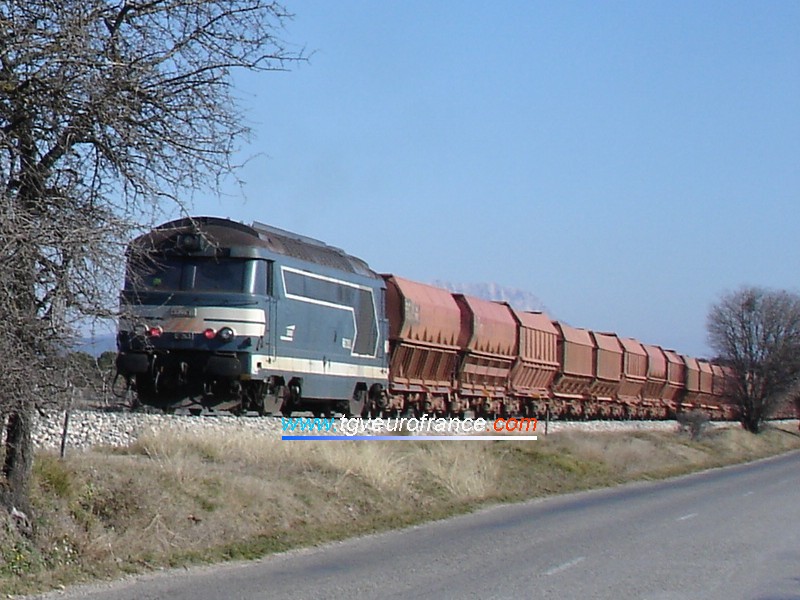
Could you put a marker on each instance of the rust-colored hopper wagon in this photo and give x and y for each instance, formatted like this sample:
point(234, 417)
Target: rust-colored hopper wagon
point(691, 396)
point(536, 362)
point(675, 387)
point(720, 393)
point(699, 384)
point(488, 346)
point(656, 380)
point(607, 364)
point(572, 385)
point(707, 401)
point(424, 325)
point(634, 376)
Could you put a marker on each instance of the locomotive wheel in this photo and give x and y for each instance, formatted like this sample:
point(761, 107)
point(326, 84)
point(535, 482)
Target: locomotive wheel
point(145, 388)
point(272, 404)
point(258, 406)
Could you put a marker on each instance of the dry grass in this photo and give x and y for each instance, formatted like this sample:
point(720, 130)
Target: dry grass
point(650, 454)
point(179, 498)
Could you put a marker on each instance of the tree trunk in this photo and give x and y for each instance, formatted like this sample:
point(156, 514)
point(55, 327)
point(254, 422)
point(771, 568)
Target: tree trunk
point(751, 424)
point(19, 456)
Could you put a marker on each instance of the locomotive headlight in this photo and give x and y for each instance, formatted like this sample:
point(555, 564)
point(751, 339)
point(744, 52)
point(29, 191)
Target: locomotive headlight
point(140, 329)
point(226, 334)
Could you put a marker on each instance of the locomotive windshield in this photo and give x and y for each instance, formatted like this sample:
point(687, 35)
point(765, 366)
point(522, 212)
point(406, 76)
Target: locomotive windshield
point(188, 274)
point(156, 275)
point(217, 276)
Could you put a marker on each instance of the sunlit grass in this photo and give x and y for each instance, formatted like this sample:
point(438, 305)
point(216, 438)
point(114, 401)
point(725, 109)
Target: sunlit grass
point(178, 497)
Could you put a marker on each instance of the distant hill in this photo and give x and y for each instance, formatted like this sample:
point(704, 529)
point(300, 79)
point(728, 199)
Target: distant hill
point(519, 299)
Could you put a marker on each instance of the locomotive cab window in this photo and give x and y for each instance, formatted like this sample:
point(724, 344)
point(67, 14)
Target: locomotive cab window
point(153, 275)
point(213, 275)
point(194, 274)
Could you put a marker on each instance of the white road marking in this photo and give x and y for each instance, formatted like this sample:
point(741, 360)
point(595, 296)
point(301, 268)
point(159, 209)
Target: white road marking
point(687, 517)
point(564, 566)
point(748, 494)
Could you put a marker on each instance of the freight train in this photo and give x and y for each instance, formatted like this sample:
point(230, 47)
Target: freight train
point(217, 315)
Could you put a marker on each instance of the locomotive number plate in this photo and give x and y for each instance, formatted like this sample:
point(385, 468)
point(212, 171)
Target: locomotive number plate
point(182, 311)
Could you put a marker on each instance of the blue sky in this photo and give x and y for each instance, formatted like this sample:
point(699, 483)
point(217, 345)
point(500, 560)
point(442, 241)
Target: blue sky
point(626, 162)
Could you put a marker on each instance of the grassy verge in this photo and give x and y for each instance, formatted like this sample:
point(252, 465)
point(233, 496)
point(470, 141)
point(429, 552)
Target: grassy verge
point(181, 499)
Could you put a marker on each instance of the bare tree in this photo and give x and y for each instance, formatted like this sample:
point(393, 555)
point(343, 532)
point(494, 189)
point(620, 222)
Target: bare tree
point(757, 332)
point(111, 112)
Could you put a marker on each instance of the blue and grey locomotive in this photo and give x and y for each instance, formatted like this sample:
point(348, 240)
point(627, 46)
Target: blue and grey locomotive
point(217, 314)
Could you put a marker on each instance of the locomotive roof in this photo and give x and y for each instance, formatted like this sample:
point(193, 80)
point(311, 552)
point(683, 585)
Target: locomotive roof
point(227, 233)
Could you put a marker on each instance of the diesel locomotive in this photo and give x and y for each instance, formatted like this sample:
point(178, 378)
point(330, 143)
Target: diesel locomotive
point(220, 315)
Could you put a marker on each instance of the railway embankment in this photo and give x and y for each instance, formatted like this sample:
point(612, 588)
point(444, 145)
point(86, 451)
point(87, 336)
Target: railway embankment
point(87, 428)
point(138, 492)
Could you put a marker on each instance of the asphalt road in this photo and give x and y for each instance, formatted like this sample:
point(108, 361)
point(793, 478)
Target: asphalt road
point(723, 534)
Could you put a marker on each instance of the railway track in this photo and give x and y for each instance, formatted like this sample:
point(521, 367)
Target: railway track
point(103, 427)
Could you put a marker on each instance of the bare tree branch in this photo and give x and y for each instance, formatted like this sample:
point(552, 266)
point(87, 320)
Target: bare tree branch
point(111, 113)
point(757, 333)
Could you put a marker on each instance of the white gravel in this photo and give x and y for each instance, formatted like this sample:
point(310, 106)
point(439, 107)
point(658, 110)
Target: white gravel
point(89, 428)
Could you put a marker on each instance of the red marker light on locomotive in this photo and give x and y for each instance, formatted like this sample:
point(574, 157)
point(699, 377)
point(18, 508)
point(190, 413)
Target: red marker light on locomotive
point(155, 331)
point(209, 334)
